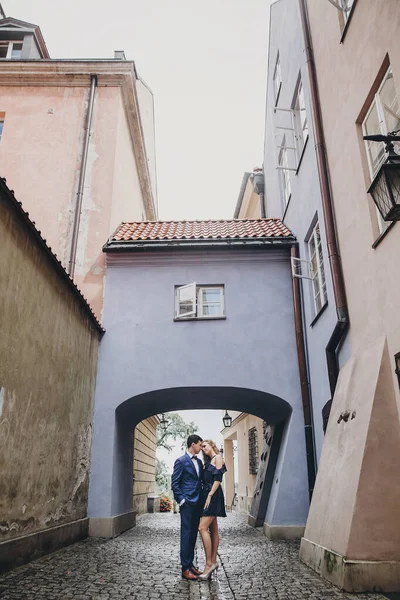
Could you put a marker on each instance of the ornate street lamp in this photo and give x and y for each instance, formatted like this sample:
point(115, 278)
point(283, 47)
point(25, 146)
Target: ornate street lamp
point(385, 188)
point(227, 419)
point(164, 422)
point(221, 450)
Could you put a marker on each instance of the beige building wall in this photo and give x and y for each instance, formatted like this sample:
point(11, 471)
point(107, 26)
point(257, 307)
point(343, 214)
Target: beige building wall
point(48, 356)
point(250, 207)
point(144, 463)
point(354, 511)
point(246, 481)
point(41, 149)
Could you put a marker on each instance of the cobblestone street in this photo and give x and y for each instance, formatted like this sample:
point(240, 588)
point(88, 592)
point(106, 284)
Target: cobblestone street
point(143, 564)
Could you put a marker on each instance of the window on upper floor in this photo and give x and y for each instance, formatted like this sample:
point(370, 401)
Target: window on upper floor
point(345, 8)
point(253, 450)
point(283, 166)
point(317, 270)
point(199, 301)
point(300, 120)
point(277, 78)
point(383, 116)
point(2, 116)
point(11, 50)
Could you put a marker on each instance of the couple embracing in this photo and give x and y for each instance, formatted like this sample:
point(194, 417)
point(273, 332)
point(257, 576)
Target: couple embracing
point(197, 489)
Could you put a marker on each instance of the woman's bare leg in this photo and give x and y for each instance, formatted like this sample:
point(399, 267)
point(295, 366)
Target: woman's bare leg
point(205, 523)
point(214, 540)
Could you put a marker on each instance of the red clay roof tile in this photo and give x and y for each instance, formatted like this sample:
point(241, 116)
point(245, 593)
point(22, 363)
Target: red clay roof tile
point(198, 230)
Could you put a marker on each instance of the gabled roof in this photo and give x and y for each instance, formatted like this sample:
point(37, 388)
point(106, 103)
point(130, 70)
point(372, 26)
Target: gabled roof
point(195, 233)
point(10, 24)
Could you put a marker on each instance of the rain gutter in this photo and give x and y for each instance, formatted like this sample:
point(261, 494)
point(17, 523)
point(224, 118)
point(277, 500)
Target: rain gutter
point(304, 380)
point(81, 183)
point(342, 324)
point(128, 246)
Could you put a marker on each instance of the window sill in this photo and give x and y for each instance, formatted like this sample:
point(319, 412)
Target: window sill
point(302, 154)
point(184, 320)
point(348, 22)
point(319, 314)
point(383, 234)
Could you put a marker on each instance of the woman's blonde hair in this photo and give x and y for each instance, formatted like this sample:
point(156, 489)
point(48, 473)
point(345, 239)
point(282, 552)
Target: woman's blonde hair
point(213, 445)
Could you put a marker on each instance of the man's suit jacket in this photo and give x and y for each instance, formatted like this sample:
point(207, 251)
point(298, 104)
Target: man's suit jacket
point(186, 484)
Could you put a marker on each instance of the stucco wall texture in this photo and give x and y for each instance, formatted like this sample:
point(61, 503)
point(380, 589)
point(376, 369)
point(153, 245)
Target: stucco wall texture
point(43, 135)
point(145, 350)
point(48, 354)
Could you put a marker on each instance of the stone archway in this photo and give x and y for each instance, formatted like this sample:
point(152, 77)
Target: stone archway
point(110, 503)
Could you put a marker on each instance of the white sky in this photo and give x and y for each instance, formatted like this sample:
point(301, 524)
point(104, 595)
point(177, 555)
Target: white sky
point(206, 64)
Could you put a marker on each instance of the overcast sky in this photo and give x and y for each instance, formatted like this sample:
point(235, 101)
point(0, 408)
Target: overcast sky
point(206, 64)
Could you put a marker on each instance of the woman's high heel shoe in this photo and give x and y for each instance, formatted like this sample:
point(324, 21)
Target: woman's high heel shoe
point(207, 576)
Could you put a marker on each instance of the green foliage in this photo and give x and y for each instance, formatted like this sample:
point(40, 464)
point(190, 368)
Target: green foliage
point(177, 429)
point(163, 478)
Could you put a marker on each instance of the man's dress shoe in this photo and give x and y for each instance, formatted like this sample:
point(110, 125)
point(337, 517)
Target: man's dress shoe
point(189, 575)
point(195, 570)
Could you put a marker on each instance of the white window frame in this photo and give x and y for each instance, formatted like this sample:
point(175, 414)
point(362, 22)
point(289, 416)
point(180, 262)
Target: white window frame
point(193, 293)
point(344, 6)
point(10, 48)
point(277, 78)
point(300, 120)
point(383, 128)
point(283, 165)
point(318, 277)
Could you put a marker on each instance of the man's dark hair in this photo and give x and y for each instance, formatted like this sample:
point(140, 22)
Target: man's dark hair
point(193, 439)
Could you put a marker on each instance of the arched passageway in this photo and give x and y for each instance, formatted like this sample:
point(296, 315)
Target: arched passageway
point(284, 498)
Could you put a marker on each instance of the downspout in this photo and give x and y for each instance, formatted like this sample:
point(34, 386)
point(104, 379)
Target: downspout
point(342, 323)
point(304, 384)
point(82, 173)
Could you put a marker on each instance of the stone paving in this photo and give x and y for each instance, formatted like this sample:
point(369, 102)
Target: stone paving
point(143, 564)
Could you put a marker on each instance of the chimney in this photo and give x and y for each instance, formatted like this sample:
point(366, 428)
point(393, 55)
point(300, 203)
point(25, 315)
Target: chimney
point(119, 55)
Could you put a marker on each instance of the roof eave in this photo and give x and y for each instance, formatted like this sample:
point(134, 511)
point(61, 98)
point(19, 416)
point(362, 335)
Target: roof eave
point(137, 245)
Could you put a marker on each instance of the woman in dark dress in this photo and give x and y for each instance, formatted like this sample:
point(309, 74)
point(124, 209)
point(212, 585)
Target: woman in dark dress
point(214, 505)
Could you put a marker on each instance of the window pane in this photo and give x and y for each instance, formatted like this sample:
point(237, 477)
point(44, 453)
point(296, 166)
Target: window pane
point(214, 310)
point(390, 104)
point(185, 307)
point(16, 51)
point(3, 50)
point(211, 295)
point(375, 151)
point(1, 128)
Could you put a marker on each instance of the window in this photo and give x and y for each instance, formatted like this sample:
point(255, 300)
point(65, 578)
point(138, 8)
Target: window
point(300, 121)
point(317, 269)
point(11, 50)
point(199, 301)
point(277, 78)
point(2, 115)
point(383, 116)
point(253, 451)
point(283, 165)
point(344, 6)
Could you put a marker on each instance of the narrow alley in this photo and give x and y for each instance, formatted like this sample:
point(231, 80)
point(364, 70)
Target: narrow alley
point(143, 564)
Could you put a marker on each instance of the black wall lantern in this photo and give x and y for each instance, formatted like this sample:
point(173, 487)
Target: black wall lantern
point(227, 419)
point(385, 188)
point(397, 363)
point(164, 422)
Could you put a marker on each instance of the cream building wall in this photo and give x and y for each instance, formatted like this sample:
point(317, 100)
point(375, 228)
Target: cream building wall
point(354, 510)
point(246, 481)
point(45, 105)
point(144, 463)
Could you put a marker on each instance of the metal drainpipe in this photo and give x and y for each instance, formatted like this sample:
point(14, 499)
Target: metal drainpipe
point(81, 183)
point(342, 323)
point(262, 205)
point(304, 384)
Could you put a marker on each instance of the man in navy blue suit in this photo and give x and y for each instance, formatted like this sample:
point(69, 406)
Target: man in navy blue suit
point(187, 483)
